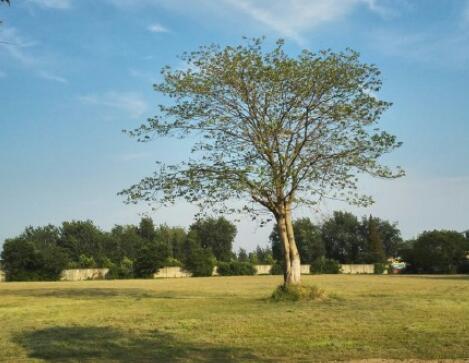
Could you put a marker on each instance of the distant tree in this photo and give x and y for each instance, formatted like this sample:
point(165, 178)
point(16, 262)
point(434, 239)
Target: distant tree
point(82, 238)
point(150, 258)
point(308, 240)
point(343, 239)
point(126, 241)
point(274, 131)
point(174, 238)
point(21, 260)
point(198, 260)
point(217, 234)
point(242, 255)
point(389, 234)
point(435, 252)
point(391, 237)
point(146, 229)
point(34, 255)
point(262, 256)
point(375, 244)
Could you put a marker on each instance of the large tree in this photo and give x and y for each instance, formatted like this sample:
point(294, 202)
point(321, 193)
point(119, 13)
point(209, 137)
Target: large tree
point(272, 130)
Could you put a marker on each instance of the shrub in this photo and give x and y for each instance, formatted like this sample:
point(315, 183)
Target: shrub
point(380, 268)
point(86, 262)
point(200, 262)
point(324, 265)
point(123, 270)
point(235, 268)
point(150, 258)
point(297, 293)
point(435, 252)
point(463, 268)
point(172, 262)
point(23, 261)
point(276, 269)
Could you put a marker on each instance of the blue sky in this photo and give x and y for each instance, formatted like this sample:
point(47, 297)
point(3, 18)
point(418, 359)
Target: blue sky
point(74, 73)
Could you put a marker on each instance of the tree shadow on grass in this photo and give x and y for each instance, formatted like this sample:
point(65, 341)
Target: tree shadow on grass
point(99, 344)
point(95, 293)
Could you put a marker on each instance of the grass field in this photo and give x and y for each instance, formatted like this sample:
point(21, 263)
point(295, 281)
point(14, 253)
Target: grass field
point(231, 319)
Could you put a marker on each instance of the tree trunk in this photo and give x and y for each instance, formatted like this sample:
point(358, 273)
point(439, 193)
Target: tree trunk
point(292, 263)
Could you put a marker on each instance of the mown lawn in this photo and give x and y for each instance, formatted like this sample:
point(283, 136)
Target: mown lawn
point(231, 319)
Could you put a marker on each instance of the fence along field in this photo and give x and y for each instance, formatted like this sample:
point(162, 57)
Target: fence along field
point(176, 271)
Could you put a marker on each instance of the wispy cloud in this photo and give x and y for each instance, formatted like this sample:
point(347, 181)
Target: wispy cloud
point(52, 4)
point(157, 28)
point(22, 51)
point(52, 77)
point(15, 45)
point(293, 18)
point(288, 18)
point(131, 103)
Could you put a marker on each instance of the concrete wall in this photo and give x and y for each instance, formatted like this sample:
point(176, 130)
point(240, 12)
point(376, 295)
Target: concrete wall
point(358, 269)
point(263, 269)
point(175, 271)
point(84, 274)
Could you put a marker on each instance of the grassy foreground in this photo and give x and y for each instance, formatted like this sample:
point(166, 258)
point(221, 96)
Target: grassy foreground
point(231, 319)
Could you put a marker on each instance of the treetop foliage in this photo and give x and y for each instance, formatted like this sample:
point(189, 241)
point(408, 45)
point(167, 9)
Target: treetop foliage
point(271, 128)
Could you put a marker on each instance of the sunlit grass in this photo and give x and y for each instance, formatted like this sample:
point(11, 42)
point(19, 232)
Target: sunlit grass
point(234, 319)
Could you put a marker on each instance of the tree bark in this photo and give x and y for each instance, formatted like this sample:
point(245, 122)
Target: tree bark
point(292, 263)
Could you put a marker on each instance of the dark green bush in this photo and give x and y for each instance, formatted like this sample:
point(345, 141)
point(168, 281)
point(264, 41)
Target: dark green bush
point(150, 258)
point(297, 293)
point(24, 261)
point(172, 262)
point(324, 265)
point(380, 268)
point(435, 252)
point(86, 262)
point(277, 268)
point(123, 270)
point(200, 262)
point(236, 268)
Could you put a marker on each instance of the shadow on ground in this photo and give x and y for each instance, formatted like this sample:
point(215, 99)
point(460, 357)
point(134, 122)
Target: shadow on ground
point(94, 293)
point(72, 344)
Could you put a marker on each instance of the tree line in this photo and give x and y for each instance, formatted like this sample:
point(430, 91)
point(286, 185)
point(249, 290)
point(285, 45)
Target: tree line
point(138, 251)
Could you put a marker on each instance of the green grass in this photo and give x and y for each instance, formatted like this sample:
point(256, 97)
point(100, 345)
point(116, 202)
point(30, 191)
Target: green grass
point(233, 319)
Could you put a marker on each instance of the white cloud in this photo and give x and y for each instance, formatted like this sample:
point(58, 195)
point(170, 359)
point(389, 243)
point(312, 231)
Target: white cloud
point(288, 18)
point(293, 18)
point(131, 103)
point(157, 28)
point(23, 52)
point(53, 4)
point(52, 77)
point(14, 44)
